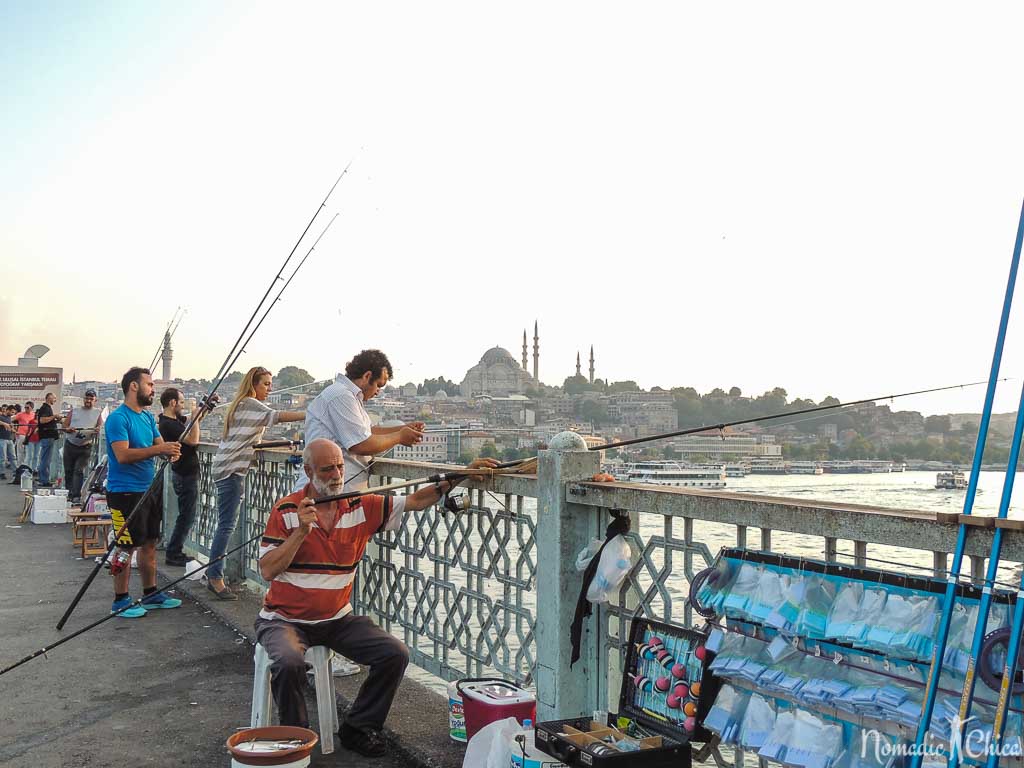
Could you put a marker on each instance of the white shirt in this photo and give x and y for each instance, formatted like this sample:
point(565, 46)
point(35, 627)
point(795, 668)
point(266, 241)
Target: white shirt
point(338, 414)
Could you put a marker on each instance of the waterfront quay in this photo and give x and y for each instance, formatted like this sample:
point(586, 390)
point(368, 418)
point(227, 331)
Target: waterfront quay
point(487, 592)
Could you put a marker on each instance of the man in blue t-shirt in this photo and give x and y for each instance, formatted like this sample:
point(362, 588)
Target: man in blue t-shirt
point(133, 441)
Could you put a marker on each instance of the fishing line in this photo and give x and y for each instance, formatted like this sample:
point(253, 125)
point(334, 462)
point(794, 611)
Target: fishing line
point(156, 355)
point(450, 477)
point(945, 572)
point(209, 402)
point(118, 612)
point(781, 415)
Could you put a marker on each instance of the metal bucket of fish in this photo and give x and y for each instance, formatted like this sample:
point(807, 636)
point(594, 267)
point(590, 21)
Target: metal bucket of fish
point(283, 746)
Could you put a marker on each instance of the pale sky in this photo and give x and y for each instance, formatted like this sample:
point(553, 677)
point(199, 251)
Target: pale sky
point(818, 196)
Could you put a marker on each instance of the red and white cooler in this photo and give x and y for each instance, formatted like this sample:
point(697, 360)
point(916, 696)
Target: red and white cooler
point(485, 700)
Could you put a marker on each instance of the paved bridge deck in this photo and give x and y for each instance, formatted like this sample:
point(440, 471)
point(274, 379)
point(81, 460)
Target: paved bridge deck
point(164, 690)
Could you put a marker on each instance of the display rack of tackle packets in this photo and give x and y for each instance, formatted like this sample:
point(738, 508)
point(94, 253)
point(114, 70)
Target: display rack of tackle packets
point(662, 700)
point(824, 665)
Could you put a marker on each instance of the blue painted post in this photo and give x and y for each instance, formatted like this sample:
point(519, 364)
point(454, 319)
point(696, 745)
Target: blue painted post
point(986, 598)
point(563, 529)
point(939, 649)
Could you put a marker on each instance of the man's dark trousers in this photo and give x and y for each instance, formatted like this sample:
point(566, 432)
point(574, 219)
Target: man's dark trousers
point(355, 637)
point(76, 462)
point(186, 488)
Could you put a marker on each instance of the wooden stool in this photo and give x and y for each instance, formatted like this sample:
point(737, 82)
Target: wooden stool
point(94, 536)
point(26, 510)
point(76, 530)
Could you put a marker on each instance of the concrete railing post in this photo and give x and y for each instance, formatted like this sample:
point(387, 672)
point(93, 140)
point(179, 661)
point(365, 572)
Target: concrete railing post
point(563, 529)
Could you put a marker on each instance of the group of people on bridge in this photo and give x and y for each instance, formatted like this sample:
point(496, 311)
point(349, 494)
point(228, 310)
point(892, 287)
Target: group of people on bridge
point(309, 551)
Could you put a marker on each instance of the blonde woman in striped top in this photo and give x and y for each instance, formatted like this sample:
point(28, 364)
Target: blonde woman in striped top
point(246, 419)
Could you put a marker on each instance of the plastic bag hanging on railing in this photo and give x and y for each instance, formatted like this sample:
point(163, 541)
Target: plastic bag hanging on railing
point(616, 528)
point(587, 554)
point(612, 567)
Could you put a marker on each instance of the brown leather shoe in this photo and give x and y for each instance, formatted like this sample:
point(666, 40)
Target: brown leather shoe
point(224, 594)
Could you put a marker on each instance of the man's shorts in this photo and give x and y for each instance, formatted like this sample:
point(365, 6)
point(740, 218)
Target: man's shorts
point(145, 526)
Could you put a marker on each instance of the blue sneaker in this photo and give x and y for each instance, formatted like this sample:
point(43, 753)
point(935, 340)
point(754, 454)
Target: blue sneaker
point(135, 612)
point(160, 600)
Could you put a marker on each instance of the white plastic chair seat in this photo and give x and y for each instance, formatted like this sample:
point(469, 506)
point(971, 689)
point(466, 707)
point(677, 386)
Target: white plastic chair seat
point(319, 658)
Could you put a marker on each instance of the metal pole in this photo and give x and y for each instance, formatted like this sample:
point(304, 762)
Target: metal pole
point(941, 639)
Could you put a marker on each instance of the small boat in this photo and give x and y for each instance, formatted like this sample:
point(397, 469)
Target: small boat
point(951, 481)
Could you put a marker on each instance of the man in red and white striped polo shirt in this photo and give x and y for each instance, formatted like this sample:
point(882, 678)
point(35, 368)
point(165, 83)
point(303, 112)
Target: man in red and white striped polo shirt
point(309, 554)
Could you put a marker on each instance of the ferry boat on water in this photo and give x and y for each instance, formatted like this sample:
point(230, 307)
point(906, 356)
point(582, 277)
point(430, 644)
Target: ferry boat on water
point(805, 468)
point(857, 467)
point(767, 467)
point(873, 466)
point(736, 470)
point(674, 474)
point(951, 481)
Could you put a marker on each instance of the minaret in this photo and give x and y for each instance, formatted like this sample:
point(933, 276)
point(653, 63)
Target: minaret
point(526, 365)
point(578, 374)
point(536, 353)
point(591, 363)
point(168, 353)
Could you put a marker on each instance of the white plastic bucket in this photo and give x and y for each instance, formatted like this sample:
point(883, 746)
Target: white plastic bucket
point(456, 715)
point(300, 763)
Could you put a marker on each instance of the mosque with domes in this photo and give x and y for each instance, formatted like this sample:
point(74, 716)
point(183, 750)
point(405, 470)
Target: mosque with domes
point(499, 375)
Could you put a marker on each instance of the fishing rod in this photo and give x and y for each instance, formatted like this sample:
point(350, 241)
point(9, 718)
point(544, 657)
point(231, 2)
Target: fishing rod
point(209, 401)
point(113, 614)
point(302, 386)
point(226, 365)
point(278, 444)
point(780, 415)
point(953, 576)
point(453, 477)
point(167, 330)
point(441, 477)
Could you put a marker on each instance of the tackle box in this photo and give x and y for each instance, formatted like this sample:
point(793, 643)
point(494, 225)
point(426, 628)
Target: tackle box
point(666, 693)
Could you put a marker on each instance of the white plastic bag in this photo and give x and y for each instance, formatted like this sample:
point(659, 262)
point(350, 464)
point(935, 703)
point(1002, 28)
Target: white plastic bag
point(611, 570)
point(587, 554)
point(490, 744)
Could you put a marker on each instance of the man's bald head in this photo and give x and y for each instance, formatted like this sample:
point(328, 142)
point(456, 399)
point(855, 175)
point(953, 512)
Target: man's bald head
point(321, 451)
point(324, 465)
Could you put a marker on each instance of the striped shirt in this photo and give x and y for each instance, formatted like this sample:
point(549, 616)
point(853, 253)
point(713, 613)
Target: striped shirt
point(235, 452)
point(317, 585)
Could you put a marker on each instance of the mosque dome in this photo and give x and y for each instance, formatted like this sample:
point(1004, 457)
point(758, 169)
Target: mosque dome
point(497, 374)
point(498, 355)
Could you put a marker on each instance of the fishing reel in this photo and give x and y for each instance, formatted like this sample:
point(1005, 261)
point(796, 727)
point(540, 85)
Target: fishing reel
point(457, 502)
point(209, 403)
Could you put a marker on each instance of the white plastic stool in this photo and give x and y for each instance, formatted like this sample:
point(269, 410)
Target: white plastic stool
point(319, 658)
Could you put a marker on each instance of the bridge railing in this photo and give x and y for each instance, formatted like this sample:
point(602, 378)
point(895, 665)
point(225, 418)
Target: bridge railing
point(493, 590)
